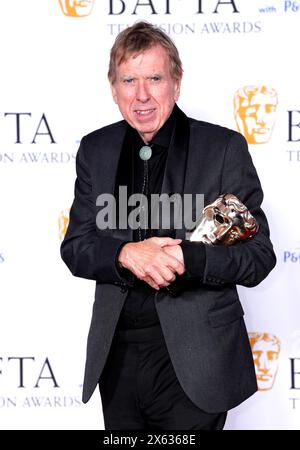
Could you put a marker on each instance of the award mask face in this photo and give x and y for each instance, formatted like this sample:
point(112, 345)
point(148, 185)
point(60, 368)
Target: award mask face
point(76, 8)
point(255, 112)
point(225, 221)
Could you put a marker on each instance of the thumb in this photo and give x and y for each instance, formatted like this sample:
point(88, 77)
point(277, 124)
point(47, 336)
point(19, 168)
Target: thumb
point(163, 242)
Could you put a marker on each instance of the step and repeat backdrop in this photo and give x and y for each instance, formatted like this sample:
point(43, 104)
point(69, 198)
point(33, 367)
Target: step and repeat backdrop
point(241, 71)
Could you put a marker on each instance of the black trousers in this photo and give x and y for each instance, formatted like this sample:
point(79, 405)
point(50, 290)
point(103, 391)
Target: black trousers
point(140, 391)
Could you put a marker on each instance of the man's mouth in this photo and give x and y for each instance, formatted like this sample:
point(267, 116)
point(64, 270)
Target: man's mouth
point(144, 112)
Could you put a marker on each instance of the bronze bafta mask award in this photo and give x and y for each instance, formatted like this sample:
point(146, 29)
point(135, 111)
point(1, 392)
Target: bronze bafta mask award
point(225, 221)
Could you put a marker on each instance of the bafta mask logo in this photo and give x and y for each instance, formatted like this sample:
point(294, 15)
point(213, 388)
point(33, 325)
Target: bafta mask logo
point(254, 112)
point(63, 222)
point(265, 349)
point(76, 8)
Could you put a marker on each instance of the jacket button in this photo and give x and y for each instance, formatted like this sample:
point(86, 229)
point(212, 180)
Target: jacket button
point(124, 289)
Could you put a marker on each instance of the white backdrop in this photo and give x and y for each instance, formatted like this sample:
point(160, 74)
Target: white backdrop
point(53, 90)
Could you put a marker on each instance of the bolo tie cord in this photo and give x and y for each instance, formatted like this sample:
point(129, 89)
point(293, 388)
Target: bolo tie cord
point(145, 154)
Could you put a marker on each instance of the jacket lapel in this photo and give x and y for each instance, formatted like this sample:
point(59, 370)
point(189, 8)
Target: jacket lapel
point(175, 170)
point(126, 233)
point(111, 146)
point(106, 169)
point(174, 175)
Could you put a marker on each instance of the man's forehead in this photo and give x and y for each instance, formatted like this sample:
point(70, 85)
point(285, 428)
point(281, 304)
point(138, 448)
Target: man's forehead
point(138, 56)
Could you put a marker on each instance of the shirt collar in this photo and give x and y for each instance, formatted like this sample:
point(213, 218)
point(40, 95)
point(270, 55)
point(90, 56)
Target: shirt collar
point(164, 134)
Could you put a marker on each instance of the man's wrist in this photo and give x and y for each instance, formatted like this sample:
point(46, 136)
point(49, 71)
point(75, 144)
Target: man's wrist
point(194, 258)
point(118, 261)
point(124, 273)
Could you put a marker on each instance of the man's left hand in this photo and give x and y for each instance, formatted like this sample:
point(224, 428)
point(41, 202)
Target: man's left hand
point(175, 251)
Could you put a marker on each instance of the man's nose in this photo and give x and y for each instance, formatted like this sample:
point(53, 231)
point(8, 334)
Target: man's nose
point(142, 92)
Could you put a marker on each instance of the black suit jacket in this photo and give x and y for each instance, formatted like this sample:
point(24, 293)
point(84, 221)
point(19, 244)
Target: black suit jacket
point(203, 325)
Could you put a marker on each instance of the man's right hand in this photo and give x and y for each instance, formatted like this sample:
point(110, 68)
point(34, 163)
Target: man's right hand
point(149, 262)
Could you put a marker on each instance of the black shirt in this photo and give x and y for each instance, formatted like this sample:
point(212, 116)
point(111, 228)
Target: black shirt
point(139, 309)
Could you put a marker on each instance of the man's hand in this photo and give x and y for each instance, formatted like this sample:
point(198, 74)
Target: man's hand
point(149, 261)
point(175, 251)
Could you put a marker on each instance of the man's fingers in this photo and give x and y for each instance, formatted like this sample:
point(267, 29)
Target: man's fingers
point(148, 259)
point(156, 275)
point(177, 265)
point(167, 274)
point(181, 269)
point(174, 264)
point(164, 261)
point(151, 283)
point(163, 242)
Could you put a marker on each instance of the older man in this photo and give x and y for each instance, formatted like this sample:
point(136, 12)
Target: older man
point(167, 343)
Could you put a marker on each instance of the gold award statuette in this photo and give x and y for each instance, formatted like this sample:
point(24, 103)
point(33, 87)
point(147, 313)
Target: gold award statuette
point(225, 221)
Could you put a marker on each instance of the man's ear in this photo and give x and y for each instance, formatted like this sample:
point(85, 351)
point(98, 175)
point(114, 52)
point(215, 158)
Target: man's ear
point(177, 89)
point(114, 92)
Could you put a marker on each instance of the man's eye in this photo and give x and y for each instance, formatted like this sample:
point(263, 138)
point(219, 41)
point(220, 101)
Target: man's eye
point(128, 80)
point(155, 78)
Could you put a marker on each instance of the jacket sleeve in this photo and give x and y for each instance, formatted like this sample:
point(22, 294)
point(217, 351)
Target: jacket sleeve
point(245, 263)
point(86, 253)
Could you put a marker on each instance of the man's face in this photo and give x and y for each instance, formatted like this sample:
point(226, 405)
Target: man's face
point(144, 90)
point(265, 355)
point(258, 115)
point(77, 8)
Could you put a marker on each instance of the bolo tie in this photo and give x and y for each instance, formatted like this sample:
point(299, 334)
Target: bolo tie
point(145, 154)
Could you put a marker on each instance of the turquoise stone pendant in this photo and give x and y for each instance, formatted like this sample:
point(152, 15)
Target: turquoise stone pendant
point(145, 152)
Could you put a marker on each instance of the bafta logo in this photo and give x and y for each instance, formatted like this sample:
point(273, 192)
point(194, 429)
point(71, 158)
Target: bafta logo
point(63, 222)
point(254, 112)
point(265, 349)
point(76, 8)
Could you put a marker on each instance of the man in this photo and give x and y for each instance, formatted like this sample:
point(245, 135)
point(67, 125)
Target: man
point(255, 110)
point(167, 342)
